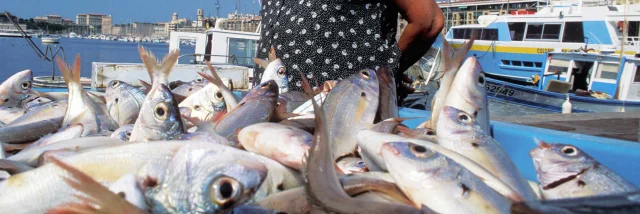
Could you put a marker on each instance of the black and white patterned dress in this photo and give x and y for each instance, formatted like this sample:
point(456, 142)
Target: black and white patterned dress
point(328, 39)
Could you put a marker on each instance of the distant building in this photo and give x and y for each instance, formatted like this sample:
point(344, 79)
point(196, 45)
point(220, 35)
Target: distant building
point(51, 19)
point(89, 19)
point(159, 30)
point(106, 25)
point(67, 21)
point(239, 22)
point(10, 26)
point(176, 23)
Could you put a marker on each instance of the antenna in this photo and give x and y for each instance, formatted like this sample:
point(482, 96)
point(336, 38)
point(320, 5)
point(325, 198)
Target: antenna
point(217, 8)
point(237, 5)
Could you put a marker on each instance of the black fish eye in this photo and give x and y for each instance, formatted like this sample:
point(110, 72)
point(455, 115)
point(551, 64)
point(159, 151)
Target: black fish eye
point(420, 151)
point(26, 85)
point(281, 72)
point(219, 95)
point(481, 80)
point(116, 100)
point(198, 80)
point(115, 84)
point(225, 191)
point(161, 111)
point(365, 74)
point(569, 150)
point(197, 107)
point(464, 118)
point(430, 133)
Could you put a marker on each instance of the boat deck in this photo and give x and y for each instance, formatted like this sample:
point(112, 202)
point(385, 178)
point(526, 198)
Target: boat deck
point(617, 125)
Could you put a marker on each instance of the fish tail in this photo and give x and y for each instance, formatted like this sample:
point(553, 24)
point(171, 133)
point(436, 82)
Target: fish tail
point(168, 62)
point(149, 61)
point(454, 60)
point(70, 75)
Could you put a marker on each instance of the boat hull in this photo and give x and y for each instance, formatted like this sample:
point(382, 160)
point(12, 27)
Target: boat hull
point(551, 101)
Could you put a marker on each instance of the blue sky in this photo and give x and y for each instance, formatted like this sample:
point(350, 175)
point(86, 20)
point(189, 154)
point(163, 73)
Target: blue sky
point(123, 10)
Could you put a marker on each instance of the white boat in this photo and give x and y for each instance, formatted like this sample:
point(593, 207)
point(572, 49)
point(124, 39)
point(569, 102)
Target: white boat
point(50, 39)
point(514, 47)
point(73, 35)
point(11, 33)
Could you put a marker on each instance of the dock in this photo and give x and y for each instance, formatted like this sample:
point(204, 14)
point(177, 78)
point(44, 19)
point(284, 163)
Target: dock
point(616, 125)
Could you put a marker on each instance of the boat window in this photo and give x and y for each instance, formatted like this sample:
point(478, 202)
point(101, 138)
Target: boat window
point(516, 63)
point(458, 33)
point(516, 30)
point(558, 66)
point(506, 62)
point(538, 64)
point(551, 31)
point(534, 31)
point(489, 34)
point(573, 32)
point(527, 64)
point(241, 51)
point(637, 77)
point(607, 71)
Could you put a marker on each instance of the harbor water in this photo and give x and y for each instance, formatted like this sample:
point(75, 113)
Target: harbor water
point(17, 55)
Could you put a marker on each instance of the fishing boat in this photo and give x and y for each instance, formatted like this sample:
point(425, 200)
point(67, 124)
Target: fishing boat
point(50, 39)
point(73, 35)
point(12, 33)
point(514, 47)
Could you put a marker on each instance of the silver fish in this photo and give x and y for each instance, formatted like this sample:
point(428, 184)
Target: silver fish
point(81, 108)
point(70, 132)
point(452, 63)
point(16, 89)
point(350, 165)
point(31, 156)
point(211, 137)
point(123, 133)
point(190, 88)
point(274, 70)
point(224, 84)
point(219, 177)
point(256, 107)
point(565, 171)
point(8, 114)
point(284, 144)
point(468, 93)
point(351, 106)
point(123, 102)
point(459, 131)
point(205, 105)
point(433, 180)
point(33, 100)
point(159, 117)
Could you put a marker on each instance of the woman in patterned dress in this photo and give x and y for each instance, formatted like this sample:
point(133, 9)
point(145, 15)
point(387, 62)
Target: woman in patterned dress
point(332, 39)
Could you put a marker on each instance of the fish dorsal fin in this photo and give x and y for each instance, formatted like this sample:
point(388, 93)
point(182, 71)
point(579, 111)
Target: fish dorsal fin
point(261, 62)
point(168, 62)
point(70, 75)
point(158, 71)
point(149, 61)
point(272, 54)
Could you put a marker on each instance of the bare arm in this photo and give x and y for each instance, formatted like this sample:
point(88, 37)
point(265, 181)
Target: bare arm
point(425, 21)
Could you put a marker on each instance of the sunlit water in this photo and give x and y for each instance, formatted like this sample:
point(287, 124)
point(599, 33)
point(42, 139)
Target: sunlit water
point(16, 55)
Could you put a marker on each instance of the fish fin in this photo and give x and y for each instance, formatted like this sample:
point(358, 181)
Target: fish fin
point(214, 77)
point(146, 85)
point(149, 61)
point(272, 54)
point(100, 97)
point(13, 167)
point(168, 62)
point(98, 198)
point(70, 75)
point(261, 62)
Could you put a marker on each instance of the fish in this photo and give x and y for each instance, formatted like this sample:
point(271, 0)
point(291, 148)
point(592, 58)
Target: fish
point(289, 101)
point(16, 132)
point(81, 109)
point(159, 73)
point(211, 137)
point(388, 107)
point(159, 117)
point(31, 156)
point(190, 88)
point(389, 125)
point(452, 62)
point(433, 180)
point(9, 114)
point(50, 110)
point(349, 165)
point(307, 124)
point(371, 143)
point(130, 189)
point(123, 102)
point(206, 105)
point(460, 132)
point(566, 171)
point(123, 133)
point(351, 106)
point(274, 70)
point(99, 198)
point(468, 93)
point(322, 186)
point(219, 177)
point(282, 143)
point(256, 107)
point(33, 100)
point(224, 84)
point(16, 89)
point(70, 132)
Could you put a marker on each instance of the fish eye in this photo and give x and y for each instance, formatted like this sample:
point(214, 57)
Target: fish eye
point(430, 132)
point(360, 163)
point(115, 84)
point(420, 151)
point(127, 135)
point(281, 72)
point(225, 191)
point(481, 79)
point(196, 107)
point(116, 100)
point(190, 89)
point(219, 95)
point(26, 85)
point(465, 118)
point(6, 100)
point(161, 111)
point(569, 150)
point(198, 80)
point(365, 74)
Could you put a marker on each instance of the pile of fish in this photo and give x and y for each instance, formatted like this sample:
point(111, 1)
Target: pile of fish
point(339, 147)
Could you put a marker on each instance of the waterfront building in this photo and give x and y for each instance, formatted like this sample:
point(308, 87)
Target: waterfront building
point(51, 19)
point(240, 22)
point(107, 25)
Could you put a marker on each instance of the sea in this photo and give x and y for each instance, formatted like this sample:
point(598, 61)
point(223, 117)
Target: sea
point(16, 54)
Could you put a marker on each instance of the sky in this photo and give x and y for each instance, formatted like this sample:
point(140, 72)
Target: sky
point(124, 10)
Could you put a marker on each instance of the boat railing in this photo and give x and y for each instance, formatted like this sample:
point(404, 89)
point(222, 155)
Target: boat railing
point(230, 59)
point(631, 41)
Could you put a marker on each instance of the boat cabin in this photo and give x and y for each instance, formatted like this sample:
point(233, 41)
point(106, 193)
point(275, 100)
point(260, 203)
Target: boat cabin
point(219, 46)
point(614, 76)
